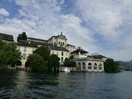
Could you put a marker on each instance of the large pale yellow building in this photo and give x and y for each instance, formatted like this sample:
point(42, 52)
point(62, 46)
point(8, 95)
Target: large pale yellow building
point(58, 45)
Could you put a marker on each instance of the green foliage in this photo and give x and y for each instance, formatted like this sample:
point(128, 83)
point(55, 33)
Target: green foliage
point(53, 62)
point(111, 66)
point(71, 57)
point(22, 36)
point(37, 63)
point(44, 52)
point(8, 53)
point(50, 61)
point(1, 44)
point(69, 63)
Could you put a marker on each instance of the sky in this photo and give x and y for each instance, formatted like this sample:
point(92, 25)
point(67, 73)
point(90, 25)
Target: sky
point(101, 26)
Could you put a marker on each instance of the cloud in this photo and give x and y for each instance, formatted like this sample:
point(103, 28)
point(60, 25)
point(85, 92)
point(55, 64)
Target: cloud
point(4, 12)
point(105, 16)
point(110, 21)
point(102, 26)
point(44, 19)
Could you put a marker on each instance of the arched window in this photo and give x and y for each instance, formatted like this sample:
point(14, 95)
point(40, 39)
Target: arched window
point(79, 63)
point(83, 63)
point(100, 64)
point(90, 64)
point(95, 64)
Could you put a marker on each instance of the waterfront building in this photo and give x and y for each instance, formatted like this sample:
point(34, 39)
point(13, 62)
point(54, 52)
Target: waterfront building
point(91, 63)
point(58, 45)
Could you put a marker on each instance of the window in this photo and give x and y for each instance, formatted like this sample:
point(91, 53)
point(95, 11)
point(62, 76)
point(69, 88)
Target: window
point(95, 67)
point(24, 55)
point(95, 64)
point(83, 63)
point(83, 67)
point(62, 53)
point(89, 63)
point(61, 59)
point(25, 49)
point(100, 68)
point(89, 67)
point(79, 63)
point(100, 64)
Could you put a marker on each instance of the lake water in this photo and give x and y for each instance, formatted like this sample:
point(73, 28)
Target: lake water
point(27, 85)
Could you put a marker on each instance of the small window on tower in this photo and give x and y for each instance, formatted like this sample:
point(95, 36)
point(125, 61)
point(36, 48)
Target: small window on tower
point(62, 53)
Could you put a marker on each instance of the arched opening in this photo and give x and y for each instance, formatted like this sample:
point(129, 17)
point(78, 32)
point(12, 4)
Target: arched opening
point(89, 64)
point(100, 64)
point(18, 63)
point(83, 63)
point(95, 64)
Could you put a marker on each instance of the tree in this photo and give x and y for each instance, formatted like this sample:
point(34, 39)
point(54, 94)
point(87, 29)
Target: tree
point(111, 66)
point(8, 53)
point(22, 36)
point(71, 57)
point(69, 63)
point(53, 62)
point(1, 44)
point(37, 63)
point(43, 51)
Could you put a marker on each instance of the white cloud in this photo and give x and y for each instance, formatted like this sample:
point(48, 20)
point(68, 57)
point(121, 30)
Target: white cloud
point(4, 12)
point(104, 15)
point(111, 19)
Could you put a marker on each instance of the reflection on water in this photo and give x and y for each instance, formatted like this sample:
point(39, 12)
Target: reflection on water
point(28, 85)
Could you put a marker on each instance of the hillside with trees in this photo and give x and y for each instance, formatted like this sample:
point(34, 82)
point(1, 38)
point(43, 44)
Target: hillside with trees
point(125, 64)
point(111, 66)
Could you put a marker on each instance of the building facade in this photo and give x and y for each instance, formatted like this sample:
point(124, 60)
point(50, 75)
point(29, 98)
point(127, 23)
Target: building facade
point(26, 49)
point(58, 45)
point(92, 63)
point(6, 38)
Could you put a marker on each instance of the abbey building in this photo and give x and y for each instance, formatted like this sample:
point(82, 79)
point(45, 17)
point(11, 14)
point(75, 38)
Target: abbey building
point(58, 45)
